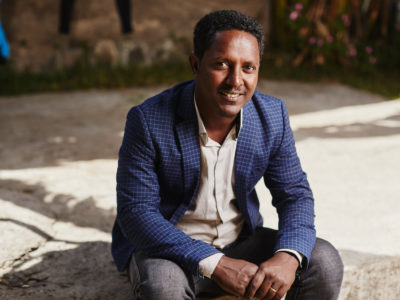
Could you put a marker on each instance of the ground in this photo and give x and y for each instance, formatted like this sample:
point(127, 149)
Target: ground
point(58, 158)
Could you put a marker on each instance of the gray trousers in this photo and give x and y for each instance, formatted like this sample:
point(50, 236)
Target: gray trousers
point(161, 279)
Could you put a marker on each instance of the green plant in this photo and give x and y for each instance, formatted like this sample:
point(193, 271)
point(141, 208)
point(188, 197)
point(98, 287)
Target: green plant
point(355, 33)
point(85, 76)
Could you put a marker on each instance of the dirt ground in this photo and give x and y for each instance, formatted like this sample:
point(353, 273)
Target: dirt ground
point(58, 157)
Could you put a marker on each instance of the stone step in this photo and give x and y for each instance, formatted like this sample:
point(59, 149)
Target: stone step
point(369, 276)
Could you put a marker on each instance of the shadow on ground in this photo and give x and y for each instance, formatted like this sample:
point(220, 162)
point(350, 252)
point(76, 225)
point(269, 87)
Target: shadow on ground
point(67, 274)
point(46, 129)
point(385, 127)
point(60, 207)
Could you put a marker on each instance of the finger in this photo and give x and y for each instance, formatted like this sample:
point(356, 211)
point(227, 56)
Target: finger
point(263, 289)
point(273, 294)
point(254, 284)
point(281, 290)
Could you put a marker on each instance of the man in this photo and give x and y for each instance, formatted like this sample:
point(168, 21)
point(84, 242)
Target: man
point(188, 218)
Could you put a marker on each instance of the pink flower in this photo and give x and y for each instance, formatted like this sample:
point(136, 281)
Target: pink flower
point(294, 15)
point(298, 6)
point(369, 49)
point(346, 20)
point(329, 39)
point(312, 40)
point(320, 42)
point(372, 60)
point(352, 51)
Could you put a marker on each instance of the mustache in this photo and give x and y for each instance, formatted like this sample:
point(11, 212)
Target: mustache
point(231, 90)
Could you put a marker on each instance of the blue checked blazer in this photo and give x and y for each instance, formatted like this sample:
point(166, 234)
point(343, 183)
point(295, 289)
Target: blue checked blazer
point(159, 172)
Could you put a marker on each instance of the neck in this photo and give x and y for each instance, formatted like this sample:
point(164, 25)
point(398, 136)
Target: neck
point(218, 128)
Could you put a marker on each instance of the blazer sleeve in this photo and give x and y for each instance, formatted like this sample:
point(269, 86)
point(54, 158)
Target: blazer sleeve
point(291, 195)
point(139, 200)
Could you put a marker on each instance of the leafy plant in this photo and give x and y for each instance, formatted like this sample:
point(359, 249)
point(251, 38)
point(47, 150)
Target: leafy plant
point(349, 33)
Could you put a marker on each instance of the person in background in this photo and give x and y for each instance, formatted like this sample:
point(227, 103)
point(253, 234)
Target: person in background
point(4, 46)
point(124, 12)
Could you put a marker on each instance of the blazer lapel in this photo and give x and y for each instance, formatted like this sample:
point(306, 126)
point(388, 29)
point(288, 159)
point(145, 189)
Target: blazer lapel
point(188, 139)
point(244, 155)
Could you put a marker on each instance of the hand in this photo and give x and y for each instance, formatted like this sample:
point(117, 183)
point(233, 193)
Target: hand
point(277, 273)
point(234, 275)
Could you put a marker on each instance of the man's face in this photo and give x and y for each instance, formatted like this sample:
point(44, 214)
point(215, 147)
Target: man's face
point(227, 74)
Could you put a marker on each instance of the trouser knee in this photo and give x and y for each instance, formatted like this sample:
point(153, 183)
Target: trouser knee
point(326, 265)
point(150, 291)
point(158, 279)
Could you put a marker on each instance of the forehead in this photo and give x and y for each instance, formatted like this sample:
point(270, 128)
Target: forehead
point(234, 42)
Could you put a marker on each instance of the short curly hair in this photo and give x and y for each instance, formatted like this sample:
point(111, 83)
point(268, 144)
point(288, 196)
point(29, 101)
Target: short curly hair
point(222, 20)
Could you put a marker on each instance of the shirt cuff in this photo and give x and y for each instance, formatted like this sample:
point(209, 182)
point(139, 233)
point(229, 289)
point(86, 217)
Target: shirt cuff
point(298, 255)
point(208, 264)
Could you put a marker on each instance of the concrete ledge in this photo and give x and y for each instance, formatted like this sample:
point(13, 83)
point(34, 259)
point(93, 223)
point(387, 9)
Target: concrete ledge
point(370, 276)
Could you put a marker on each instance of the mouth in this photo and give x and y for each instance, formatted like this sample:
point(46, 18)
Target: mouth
point(232, 96)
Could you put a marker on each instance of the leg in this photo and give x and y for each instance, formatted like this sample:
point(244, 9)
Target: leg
point(124, 11)
point(323, 278)
point(158, 279)
point(65, 15)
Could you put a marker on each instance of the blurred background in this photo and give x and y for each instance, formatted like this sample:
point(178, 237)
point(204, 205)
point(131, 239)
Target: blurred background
point(76, 44)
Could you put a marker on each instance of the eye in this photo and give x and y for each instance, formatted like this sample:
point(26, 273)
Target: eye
point(222, 65)
point(249, 68)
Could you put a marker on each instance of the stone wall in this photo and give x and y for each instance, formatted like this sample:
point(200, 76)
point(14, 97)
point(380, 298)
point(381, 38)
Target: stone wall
point(162, 30)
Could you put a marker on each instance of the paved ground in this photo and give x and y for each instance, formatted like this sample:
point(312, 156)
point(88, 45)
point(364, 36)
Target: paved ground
point(57, 180)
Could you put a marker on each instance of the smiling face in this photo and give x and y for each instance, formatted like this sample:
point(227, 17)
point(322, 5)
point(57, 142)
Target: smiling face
point(226, 76)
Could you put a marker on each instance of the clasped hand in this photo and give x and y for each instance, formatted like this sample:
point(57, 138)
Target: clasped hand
point(271, 280)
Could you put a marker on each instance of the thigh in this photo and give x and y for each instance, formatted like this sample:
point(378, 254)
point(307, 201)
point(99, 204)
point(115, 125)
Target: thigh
point(156, 278)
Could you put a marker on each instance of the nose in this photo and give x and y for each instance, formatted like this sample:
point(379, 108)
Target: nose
point(235, 78)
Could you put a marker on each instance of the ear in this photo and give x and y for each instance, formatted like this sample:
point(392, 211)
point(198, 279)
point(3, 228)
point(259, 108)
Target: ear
point(194, 63)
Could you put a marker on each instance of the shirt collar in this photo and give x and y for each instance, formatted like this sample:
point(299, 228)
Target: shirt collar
point(202, 129)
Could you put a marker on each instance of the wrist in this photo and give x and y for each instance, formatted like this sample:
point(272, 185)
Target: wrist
point(288, 258)
point(208, 264)
point(294, 253)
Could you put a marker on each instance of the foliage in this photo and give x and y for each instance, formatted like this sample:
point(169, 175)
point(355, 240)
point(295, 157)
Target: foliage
point(378, 80)
point(357, 33)
point(87, 76)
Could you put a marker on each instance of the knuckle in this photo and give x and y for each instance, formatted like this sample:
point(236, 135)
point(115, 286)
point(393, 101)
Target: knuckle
point(280, 279)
